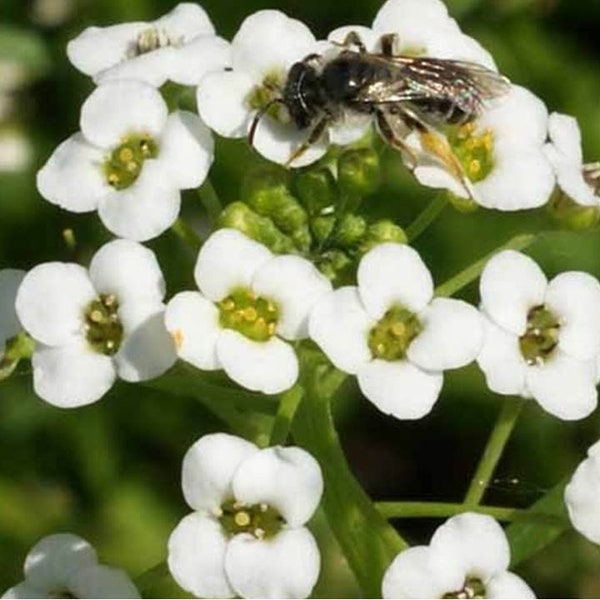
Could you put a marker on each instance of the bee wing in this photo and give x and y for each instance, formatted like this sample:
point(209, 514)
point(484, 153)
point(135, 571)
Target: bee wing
point(466, 84)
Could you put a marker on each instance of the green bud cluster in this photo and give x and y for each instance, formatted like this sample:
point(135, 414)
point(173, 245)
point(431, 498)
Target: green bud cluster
point(312, 211)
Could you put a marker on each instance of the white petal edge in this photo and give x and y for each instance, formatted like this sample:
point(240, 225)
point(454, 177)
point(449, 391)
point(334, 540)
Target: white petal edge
point(582, 498)
point(103, 581)
point(508, 585)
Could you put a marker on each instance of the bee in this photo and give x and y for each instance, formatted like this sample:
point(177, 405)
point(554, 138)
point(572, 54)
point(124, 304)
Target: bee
point(402, 94)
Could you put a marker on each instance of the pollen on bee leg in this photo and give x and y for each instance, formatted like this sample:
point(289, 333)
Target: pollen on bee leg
point(177, 337)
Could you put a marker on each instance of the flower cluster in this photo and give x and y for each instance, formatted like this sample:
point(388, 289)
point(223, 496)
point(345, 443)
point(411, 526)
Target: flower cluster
point(295, 269)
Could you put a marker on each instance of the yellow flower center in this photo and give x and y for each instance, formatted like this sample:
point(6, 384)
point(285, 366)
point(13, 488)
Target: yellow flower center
point(541, 336)
point(474, 150)
point(473, 588)
point(103, 329)
point(151, 39)
point(391, 336)
point(260, 520)
point(268, 90)
point(125, 162)
point(252, 316)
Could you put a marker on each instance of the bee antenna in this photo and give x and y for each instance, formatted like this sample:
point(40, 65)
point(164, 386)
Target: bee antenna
point(259, 115)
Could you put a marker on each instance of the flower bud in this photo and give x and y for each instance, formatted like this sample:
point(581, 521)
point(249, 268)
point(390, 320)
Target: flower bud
point(315, 188)
point(380, 232)
point(359, 172)
point(351, 229)
point(322, 227)
point(462, 205)
point(567, 213)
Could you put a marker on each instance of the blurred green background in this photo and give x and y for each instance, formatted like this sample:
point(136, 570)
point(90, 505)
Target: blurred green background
point(111, 471)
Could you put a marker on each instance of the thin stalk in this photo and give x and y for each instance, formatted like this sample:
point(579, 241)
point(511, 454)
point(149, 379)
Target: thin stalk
point(187, 235)
point(288, 405)
point(429, 214)
point(427, 510)
point(472, 272)
point(210, 200)
point(509, 413)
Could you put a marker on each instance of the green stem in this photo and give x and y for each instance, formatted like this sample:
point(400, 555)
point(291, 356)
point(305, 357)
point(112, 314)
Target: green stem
point(288, 405)
point(412, 510)
point(426, 217)
point(505, 423)
point(368, 541)
point(187, 235)
point(151, 580)
point(472, 272)
point(210, 200)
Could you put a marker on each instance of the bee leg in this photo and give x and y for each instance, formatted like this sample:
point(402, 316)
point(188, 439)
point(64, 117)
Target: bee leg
point(390, 137)
point(436, 144)
point(389, 43)
point(313, 138)
point(352, 39)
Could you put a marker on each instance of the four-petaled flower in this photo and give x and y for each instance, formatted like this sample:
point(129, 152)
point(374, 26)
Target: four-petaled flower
point(129, 161)
point(64, 565)
point(468, 557)
point(247, 534)
point(251, 304)
point(542, 338)
point(91, 326)
point(393, 334)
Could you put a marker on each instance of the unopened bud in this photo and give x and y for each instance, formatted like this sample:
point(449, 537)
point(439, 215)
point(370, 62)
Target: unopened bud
point(569, 214)
point(315, 188)
point(359, 172)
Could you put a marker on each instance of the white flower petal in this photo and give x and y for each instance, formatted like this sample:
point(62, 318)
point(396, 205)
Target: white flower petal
point(501, 361)
point(23, 590)
point(296, 286)
point(412, 575)
point(128, 270)
point(228, 260)
point(564, 387)
point(574, 297)
point(510, 286)
point(144, 210)
point(474, 541)
point(221, 99)
point(52, 562)
point(451, 338)
point(209, 467)
point(565, 135)
point(393, 274)
point(349, 129)
point(268, 40)
point(196, 560)
point(507, 585)
point(186, 21)
point(101, 581)
point(72, 177)
point(147, 350)
point(117, 109)
point(10, 280)
point(286, 566)
point(193, 322)
point(582, 498)
point(71, 375)
point(278, 141)
point(186, 149)
point(202, 55)
point(52, 299)
point(288, 479)
point(340, 326)
point(400, 388)
point(98, 48)
point(151, 67)
point(269, 367)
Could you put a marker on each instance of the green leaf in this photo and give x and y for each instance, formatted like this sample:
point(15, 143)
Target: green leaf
point(526, 538)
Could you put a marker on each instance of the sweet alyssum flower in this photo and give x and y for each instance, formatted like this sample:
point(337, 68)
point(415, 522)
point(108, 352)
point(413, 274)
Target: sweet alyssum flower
point(263, 50)
point(10, 279)
point(94, 325)
point(582, 496)
point(542, 338)
point(501, 153)
point(181, 46)
point(250, 305)
point(468, 557)
point(66, 566)
point(129, 161)
point(393, 334)
point(247, 534)
point(580, 182)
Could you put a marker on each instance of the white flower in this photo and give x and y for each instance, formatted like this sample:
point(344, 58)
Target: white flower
point(10, 280)
point(565, 154)
point(129, 161)
point(66, 566)
point(246, 536)
point(250, 302)
point(180, 46)
point(393, 334)
point(91, 326)
point(582, 496)
point(501, 154)
point(267, 44)
point(542, 339)
point(468, 557)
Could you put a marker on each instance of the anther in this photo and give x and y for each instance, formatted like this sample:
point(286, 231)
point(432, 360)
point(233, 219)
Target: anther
point(242, 519)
